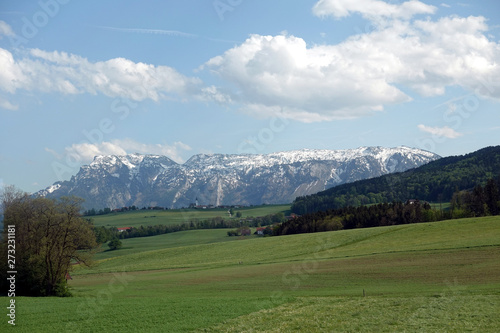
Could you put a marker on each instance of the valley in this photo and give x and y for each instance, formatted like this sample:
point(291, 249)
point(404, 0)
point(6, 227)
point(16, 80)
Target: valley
point(179, 216)
point(183, 270)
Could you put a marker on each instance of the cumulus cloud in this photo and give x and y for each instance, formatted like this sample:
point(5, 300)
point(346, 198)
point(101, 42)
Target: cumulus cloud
point(283, 76)
point(445, 131)
point(85, 152)
point(371, 8)
point(65, 73)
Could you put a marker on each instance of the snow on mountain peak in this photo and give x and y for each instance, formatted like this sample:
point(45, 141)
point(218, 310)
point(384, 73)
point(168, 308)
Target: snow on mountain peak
point(116, 181)
point(244, 161)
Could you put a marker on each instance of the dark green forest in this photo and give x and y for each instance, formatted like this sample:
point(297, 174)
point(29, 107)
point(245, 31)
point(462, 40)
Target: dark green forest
point(436, 181)
point(480, 201)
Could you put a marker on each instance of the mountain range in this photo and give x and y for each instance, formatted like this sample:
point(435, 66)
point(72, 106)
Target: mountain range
point(229, 179)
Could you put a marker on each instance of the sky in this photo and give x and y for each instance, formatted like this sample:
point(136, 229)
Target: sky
point(179, 78)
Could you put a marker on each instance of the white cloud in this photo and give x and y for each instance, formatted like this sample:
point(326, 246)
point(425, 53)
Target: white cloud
point(5, 30)
point(85, 152)
point(212, 93)
point(445, 131)
point(65, 73)
point(282, 75)
point(11, 75)
point(371, 8)
point(5, 104)
point(445, 5)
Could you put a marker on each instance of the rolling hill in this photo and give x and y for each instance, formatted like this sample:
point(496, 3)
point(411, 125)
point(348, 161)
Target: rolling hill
point(433, 182)
point(441, 276)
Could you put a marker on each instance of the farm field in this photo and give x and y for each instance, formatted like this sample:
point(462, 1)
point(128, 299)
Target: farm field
point(166, 241)
point(439, 277)
point(178, 216)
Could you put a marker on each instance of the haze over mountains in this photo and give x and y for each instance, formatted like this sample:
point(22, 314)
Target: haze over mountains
point(235, 179)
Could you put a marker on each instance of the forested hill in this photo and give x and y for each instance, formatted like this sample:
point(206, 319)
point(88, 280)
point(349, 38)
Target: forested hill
point(434, 182)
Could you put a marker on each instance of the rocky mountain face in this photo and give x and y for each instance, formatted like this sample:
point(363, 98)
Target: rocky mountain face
point(218, 179)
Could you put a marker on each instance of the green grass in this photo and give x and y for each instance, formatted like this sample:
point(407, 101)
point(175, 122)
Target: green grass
point(263, 210)
point(447, 313)
point(440, 205)
point(167, 241)
point(179, 216)
point(430, 277)
point(457, 234)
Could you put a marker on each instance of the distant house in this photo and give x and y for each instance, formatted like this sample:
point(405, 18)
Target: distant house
point(124, 229)
point(263, 231)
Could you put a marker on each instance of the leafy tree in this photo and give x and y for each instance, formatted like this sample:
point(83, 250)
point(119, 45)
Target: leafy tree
point(478, 202)
point(115, 244)
point(49, 236)
point(492, 197)
point(278, 217)
point(104, 234)
point(233, 233)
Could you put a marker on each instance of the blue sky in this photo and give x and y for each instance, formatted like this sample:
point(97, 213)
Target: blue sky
point(82, 78)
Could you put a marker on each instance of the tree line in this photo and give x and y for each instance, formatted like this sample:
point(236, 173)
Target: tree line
point(107, 210)
point(104, 234)
point(351, 217)
point(480, 201)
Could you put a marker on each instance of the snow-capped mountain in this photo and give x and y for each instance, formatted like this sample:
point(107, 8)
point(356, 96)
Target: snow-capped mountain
point(219, 179)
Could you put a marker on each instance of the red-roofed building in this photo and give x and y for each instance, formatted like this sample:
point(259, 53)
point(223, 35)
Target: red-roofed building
point(124, 229)
point(260, 231)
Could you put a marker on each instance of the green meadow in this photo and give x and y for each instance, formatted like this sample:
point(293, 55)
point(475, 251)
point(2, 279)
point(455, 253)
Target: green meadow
point(178, 216)
point(429, 277)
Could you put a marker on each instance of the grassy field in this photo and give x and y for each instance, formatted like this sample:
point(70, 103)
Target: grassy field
point(429, 277)
point(167, 241)
point(178, 216)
